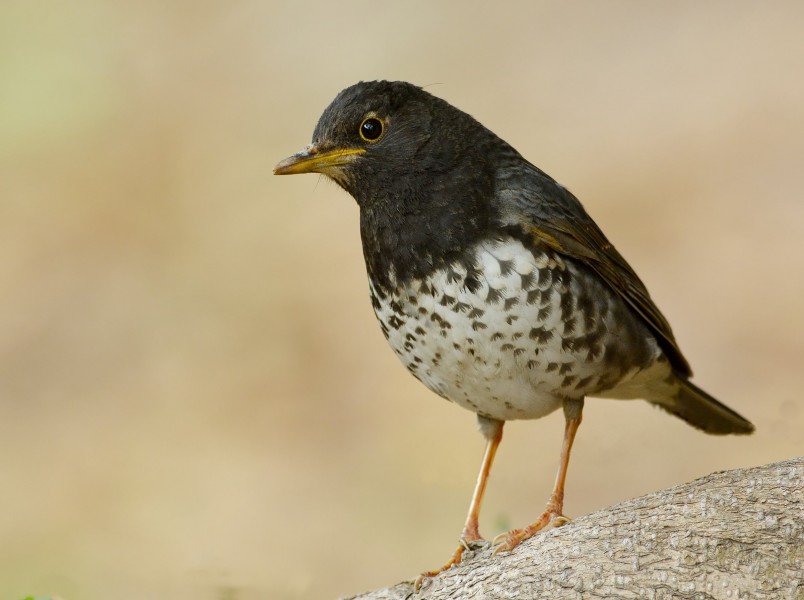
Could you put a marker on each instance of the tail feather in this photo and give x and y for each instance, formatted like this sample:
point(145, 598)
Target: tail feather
point(702, 411)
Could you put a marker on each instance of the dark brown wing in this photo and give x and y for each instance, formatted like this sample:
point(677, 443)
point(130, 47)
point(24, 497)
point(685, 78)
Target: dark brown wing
point(554, 217)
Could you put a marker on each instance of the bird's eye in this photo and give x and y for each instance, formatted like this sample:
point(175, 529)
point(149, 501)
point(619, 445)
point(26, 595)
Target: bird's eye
point(371, 129)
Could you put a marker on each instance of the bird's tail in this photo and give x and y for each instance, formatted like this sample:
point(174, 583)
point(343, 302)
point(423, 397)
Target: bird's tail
point(702, 411)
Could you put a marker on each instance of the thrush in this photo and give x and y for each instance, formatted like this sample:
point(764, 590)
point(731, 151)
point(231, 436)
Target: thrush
point(490, 281)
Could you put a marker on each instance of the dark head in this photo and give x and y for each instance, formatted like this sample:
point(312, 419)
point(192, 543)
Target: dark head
point(383, 137)
point(421, 170)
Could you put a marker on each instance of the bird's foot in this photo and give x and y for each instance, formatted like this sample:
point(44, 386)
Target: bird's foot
point(510, 540)
point(464, 545)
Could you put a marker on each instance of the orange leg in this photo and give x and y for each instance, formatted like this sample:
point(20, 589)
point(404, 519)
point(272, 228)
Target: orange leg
point(553, 514)
point(471, 532)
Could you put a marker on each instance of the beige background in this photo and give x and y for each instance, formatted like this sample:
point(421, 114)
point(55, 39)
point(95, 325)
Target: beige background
point(196, 401)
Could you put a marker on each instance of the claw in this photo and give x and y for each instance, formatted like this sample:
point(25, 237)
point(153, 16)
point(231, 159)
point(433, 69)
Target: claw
point(457, 557)
point(511, 539)
point(417, 584)
point(560, 521)
point(498, 539)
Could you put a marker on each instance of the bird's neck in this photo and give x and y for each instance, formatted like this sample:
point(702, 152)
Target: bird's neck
point(405, 238)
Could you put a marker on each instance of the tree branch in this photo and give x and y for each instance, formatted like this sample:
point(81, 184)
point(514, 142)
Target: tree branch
point(732, 534)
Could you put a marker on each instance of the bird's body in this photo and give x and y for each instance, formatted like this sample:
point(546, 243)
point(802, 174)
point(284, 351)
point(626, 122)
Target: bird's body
point(490, 281)
point(513, 331)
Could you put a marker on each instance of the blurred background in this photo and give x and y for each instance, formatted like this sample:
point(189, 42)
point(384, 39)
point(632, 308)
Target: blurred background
point(195, 399)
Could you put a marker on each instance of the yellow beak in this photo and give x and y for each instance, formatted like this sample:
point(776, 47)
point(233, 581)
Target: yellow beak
point(312, 160)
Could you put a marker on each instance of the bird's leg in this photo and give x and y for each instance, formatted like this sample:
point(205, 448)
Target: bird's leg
point(492, 431)
point(553, 514)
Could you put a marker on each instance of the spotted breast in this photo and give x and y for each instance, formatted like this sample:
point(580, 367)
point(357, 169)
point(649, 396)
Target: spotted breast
point(512, 332)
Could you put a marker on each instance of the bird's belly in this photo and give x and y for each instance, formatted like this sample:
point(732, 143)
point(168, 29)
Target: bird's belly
point(510, 335)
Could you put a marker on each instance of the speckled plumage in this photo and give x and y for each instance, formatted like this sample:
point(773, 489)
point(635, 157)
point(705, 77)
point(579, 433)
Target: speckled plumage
point(530, 330)
point(490, 281)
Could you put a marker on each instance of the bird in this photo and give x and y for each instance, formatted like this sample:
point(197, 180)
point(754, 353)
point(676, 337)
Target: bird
point(491, 282)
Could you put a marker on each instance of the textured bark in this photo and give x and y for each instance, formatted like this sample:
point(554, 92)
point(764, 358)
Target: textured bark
point(732, 534)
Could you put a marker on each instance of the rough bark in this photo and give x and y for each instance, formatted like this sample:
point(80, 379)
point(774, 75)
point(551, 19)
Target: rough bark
point(732, 534)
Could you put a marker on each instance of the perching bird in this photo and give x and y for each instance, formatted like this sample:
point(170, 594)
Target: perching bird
point(490, 282)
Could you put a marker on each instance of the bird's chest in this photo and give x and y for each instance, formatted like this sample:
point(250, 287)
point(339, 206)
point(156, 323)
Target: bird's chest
point(496, 335)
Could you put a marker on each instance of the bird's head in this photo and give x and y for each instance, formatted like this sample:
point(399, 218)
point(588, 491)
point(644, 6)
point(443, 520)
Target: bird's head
point(384, 139)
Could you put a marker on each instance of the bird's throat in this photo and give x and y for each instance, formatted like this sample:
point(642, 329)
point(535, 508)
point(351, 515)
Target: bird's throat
point(407, 243)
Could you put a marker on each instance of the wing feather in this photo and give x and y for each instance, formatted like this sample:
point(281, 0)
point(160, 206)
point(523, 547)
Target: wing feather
point(550, 215)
